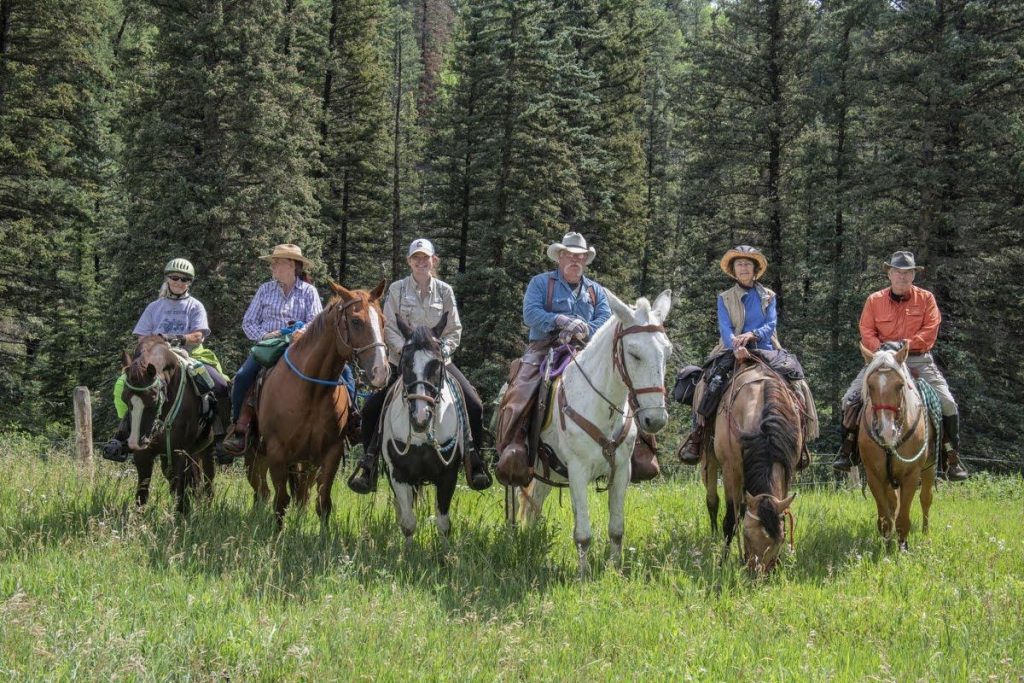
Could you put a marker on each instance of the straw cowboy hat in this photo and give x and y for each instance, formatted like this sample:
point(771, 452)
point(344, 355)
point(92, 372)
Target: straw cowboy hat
point(288, 251)
point(574, 243)
point(743, 251)
point(902, 260)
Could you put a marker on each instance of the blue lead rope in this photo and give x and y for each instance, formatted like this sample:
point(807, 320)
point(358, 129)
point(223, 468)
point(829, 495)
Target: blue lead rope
point(314, 380)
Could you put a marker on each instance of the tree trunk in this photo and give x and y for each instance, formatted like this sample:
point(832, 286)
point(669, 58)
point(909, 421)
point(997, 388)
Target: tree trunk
point(396, 188)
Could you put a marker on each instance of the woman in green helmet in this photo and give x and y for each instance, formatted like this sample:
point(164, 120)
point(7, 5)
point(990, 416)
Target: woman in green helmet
point(181, 319)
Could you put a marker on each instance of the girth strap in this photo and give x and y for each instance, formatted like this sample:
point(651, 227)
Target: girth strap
point(608, 446)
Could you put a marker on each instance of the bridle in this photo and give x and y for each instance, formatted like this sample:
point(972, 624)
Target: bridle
point(163, 422)
point(353, 351)
point(432, 396)
point(899, 416)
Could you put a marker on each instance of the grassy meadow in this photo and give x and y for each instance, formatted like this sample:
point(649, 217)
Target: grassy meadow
point(93, 589)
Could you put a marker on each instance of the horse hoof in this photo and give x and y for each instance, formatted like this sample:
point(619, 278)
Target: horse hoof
point(904, 547)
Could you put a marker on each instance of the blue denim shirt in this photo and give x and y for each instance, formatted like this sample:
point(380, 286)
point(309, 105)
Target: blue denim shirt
point(563, 302)
point(761, 323)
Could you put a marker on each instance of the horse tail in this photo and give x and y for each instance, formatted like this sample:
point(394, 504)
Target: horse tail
point(774, 442)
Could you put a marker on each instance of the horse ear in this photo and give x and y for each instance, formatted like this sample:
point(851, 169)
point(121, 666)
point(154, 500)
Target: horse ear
point(783, 505)
point(662, 305)
point(622, 311)
point(379, 290)
point(749, 500)
point(901, 355)
point(150, 370)
point(868, 355)
point(126, 360)
point(341, 291)
point(403, 326)
point(438, 329)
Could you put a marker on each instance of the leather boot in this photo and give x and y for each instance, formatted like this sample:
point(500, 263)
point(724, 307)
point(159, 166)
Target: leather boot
point(690, 452)
point(477, 475)
point(364, 477)
point(512, 468)
point(844, 459)
point(952, 469)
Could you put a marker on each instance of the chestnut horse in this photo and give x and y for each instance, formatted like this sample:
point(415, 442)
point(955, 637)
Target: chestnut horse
point(166, 421)
point(757, 444)
point(303, 408)
point(897, 442)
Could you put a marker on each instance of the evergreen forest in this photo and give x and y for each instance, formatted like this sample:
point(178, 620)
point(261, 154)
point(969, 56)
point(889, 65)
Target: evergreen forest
point(828, 133)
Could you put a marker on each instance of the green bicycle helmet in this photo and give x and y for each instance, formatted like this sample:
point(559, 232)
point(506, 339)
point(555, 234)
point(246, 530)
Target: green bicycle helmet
point(180, 265)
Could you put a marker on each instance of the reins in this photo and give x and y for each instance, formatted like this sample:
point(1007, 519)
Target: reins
point(165, 423)
point(354, 352)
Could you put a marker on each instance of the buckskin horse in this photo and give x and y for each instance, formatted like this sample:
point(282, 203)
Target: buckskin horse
point(423, 428)
point(897, 441)
point(166, 420)
point(757, 444)
point(303, 411)
point(614, 384)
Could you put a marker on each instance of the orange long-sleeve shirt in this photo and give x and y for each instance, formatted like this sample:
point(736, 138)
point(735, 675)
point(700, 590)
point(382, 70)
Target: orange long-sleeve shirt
point(917, 319)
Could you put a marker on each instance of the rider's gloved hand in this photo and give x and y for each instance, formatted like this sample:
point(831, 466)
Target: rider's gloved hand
point(571, 328)
point(293, 327)
point(174, 339)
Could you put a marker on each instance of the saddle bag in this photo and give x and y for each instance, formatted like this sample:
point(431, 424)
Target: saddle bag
point(644, 460)
point(686, 384)
point(269, 351)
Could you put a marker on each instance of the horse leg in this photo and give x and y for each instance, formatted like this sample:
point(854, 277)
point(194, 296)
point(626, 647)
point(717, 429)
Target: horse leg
point(884, 502)
point(443, 503)
point(144, 469)
point(279, 476)
point(531, 501)
point(927, 487)
point(325, 482)
point(709, 473)
point(404, 510)
point(617, 511)
point(256, 472)
point(581, 513)
point(209, 470)
point(179, 483)
point(908, 487)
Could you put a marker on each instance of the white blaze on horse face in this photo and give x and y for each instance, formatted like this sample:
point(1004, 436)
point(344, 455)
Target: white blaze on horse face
point(136, 412)
point(379, 370)
point(887, 421)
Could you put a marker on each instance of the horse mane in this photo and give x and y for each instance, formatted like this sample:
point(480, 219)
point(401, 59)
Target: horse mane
point(774, 444)
point(643, 306)
point(144, 354)
point(887, 359)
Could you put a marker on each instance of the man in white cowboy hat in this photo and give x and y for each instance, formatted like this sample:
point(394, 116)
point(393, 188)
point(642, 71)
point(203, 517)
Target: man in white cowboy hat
point(279, 305)
point(904, 312)
point(559, 306)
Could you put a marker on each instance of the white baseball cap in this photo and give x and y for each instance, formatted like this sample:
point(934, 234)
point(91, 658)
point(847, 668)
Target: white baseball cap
point(420, 246)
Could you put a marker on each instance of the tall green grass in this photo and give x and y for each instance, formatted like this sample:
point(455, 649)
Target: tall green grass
point(93, 589)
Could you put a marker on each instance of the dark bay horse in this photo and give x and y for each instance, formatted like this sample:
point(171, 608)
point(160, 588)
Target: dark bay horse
point(758, 439)
point(423, 427)
point(897, 442)
point(303, 408)
point(166, 420)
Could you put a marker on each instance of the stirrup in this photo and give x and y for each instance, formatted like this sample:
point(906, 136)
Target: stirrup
point(361, 482)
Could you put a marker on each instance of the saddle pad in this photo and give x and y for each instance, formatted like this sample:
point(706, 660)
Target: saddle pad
point(931, 402)
point(555, 363)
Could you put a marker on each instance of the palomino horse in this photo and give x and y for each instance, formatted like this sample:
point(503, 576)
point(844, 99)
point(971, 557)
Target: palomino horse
point(166, 421)
point(616, 380)
point(303, 408)
point(897, 441)
point(757, 444)
point(423, 428)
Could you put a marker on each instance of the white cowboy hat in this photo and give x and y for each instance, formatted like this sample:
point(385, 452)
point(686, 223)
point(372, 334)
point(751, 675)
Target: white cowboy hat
point(574, 243)
point(288, 251)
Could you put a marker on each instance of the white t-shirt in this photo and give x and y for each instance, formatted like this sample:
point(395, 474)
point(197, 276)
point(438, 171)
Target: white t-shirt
point(173, 317)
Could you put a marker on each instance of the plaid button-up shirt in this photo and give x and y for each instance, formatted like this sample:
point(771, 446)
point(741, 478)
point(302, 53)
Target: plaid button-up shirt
point(271, 309)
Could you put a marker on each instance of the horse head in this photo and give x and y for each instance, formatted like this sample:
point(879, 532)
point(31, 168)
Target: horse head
point(642, 350)
point(764, 530)
point(357, 318)
point(886, 383)
point(422, 366)
point(145, 389)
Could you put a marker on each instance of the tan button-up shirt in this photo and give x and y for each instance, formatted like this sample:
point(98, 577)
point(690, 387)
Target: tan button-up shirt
point(404, 299)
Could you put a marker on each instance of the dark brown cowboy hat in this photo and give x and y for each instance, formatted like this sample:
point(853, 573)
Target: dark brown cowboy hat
point(747, 252)
point(902, 260)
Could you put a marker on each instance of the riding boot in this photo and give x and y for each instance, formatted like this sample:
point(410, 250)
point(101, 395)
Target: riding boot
point(689, 452)
point(512, 468)
point(844, 459)
point(477, 475)
point(354, 425)
point(116, 449)
point(951, 469)
point(236, 441)
point(220, 420)
point(364, 477)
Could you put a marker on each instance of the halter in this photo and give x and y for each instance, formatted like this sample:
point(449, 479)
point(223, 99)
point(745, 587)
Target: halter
point(354, 352)
point(164, 423)
point(447, 451)
point(609, 446)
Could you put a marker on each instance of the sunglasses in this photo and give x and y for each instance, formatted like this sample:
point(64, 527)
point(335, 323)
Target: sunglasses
point(178, 278)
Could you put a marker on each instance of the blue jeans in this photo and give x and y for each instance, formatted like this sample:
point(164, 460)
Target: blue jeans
point(244, 378)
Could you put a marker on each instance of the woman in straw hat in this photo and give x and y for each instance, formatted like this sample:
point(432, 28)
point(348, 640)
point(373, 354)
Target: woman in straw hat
point(281, 306)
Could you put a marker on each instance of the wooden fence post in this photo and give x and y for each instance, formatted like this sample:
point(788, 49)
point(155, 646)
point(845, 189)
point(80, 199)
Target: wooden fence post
point(83, 424)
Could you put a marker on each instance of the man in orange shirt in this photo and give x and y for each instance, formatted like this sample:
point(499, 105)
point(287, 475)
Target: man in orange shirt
point(897, 313)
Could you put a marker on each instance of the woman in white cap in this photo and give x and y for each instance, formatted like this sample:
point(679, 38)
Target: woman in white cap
point(420, 299)
point(746, 323)
point(279, 306)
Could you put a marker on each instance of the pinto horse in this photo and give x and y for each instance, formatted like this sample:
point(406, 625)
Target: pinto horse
point(757, 444)
point(897, 442)
point(166, 421)
point(614, 384)
point(303, 408)
point(423, 427)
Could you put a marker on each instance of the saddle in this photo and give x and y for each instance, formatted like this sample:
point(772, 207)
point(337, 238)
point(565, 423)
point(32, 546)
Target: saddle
point(201, 383)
